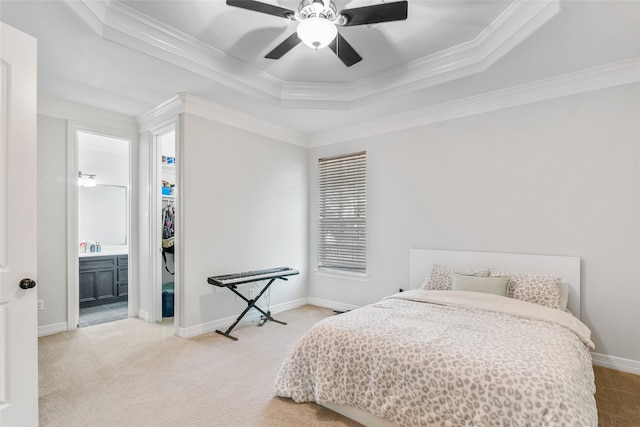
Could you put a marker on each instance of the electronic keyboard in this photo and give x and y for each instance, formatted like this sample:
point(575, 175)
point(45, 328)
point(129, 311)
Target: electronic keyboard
point(251, 276)
point(230, 281)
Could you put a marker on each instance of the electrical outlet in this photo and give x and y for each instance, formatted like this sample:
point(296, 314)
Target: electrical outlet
point(40, 305)
point(252, 293)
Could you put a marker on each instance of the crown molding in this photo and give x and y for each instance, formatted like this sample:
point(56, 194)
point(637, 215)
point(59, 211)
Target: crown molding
point(189, 104)
point(86, 115)
point(231, 117)
point(592, 79)
point(509, 29)
point(161, 114)
point(121, 24)
point(93, 13)
point(513, 27)
point(115, 21)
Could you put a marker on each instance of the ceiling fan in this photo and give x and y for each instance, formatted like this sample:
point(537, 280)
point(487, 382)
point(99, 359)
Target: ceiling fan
point(317, 21)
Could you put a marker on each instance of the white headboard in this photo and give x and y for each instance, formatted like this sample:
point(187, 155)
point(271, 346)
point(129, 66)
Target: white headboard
point(421, 261)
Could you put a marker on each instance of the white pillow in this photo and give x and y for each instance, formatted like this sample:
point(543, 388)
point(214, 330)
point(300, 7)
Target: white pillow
point(487, 285)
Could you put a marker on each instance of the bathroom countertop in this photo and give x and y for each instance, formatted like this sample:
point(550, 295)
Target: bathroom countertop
point(104, 253)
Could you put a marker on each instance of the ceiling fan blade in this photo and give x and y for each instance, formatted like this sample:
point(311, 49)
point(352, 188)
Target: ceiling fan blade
point(386, 12)
point(257, 6)
point(284, 47)
point(345, 52)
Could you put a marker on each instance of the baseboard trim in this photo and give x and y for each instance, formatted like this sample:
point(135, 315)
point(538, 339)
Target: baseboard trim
point(54, 328)
point(224, 323)
point(334, 305)
point(617, 363)
point(144, 315)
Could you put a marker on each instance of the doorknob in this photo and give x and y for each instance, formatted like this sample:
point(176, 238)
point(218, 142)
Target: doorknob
point(27, 283)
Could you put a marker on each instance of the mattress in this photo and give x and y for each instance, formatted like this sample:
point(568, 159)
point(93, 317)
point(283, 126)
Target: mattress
point(430, 358)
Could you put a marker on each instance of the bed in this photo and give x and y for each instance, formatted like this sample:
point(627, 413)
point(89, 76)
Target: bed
point(454, 357)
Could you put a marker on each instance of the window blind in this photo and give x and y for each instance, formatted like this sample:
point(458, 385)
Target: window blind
point(342, 223)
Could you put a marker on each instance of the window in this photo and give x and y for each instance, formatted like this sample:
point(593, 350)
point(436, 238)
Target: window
point(342, 192)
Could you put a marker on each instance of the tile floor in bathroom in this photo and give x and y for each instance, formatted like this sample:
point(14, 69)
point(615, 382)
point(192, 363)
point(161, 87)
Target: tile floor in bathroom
point(90, 316)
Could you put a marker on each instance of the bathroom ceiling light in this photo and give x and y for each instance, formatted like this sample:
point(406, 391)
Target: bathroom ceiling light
point(86, 180)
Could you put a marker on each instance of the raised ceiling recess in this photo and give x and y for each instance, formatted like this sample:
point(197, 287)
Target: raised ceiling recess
point(438, 42)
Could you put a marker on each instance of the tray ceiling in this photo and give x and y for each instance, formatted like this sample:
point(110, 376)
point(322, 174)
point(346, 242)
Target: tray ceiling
point(440, 41)
point(129, 57)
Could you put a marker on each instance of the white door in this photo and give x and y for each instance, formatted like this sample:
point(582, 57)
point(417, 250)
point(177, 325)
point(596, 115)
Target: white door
point(18, 316)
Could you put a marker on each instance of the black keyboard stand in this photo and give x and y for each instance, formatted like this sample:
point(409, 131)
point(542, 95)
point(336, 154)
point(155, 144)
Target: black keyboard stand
point(251, 303)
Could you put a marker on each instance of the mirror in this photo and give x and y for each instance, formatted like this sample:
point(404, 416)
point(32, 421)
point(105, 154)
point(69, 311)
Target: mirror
point(102, 214)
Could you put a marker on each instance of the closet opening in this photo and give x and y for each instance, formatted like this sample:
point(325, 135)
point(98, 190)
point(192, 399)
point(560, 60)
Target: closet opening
point(166, 157)
point(103, 231)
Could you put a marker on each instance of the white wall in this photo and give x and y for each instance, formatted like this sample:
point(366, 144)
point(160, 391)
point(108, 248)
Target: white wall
point(560, 177)
point(556, 177)
point(55, 118)
point(144, 189)
point(52, 220)
point(244, 199)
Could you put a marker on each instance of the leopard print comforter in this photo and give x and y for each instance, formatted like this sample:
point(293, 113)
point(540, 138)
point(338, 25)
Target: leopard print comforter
point(419, 363)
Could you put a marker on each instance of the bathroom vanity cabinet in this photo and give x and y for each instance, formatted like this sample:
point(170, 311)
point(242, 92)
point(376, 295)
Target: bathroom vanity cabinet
point(103, 279)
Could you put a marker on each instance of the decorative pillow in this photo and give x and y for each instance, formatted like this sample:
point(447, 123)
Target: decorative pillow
point(536, 288)
point(441, 277)
point(488, 285)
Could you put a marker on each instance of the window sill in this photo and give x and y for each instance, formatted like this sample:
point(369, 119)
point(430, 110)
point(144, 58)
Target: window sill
point(358, 277)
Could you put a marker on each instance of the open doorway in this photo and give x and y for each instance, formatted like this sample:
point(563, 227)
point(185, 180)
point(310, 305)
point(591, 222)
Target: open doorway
point(166, 155)
point(103, 230)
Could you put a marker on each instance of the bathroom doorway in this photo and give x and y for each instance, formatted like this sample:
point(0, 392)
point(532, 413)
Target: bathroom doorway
point(103, 228)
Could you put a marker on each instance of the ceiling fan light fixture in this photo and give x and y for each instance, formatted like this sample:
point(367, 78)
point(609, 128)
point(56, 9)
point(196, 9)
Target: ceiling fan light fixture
point(317, 32)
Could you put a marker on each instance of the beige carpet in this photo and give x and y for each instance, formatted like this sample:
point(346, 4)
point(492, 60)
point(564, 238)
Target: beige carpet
point(132, 373)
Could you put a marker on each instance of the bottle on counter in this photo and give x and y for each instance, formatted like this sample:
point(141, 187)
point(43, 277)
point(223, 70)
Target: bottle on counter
point(92, 248)
point(83, 247)
point(98, 247)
